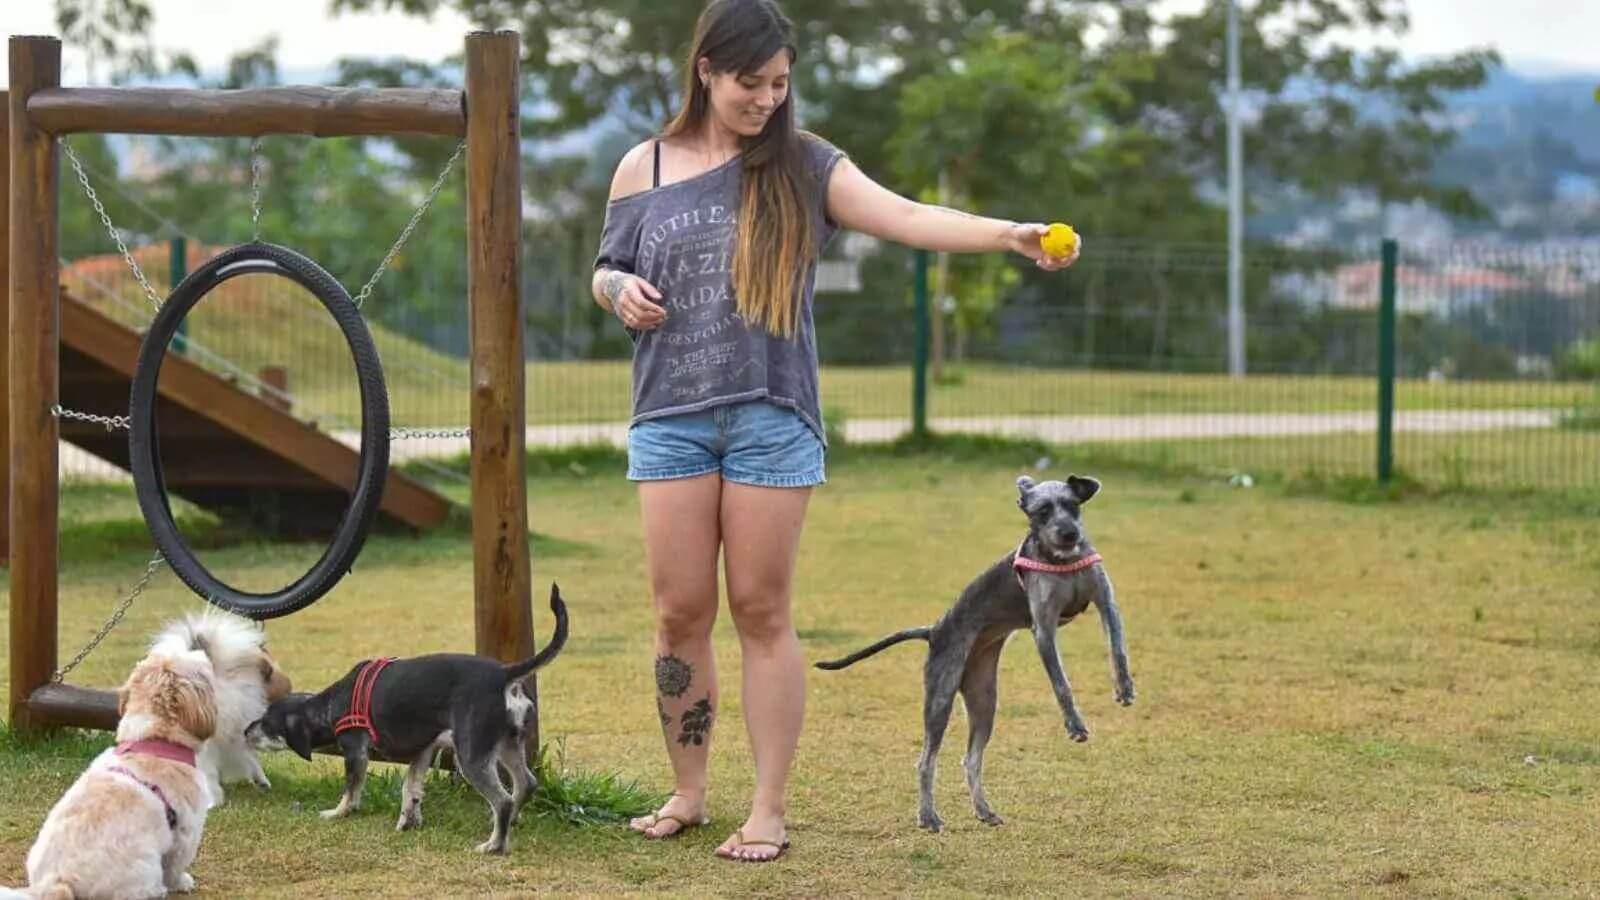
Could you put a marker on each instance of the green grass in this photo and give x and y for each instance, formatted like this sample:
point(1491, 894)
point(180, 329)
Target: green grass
point(1335, 698)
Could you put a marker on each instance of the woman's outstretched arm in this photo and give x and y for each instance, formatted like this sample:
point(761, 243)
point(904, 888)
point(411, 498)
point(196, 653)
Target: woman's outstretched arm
point(861, 204)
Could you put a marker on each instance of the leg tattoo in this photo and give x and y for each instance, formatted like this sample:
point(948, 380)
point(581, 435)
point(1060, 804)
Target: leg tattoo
point(673, 675)
point(697, 723)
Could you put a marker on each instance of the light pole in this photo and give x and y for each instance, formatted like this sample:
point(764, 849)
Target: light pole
point(1235, 203)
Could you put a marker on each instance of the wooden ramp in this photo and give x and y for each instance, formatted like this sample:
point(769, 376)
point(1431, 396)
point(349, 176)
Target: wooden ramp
point(222, 447)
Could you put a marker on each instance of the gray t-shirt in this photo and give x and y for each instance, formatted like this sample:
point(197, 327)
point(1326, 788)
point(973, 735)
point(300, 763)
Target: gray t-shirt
point(680, 238)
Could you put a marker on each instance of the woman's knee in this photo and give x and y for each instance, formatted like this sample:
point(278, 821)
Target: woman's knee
point(683, 617)
point(761, 612)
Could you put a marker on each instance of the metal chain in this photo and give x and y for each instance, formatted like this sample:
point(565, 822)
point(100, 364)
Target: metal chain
point(111, 229)
point(402, 434)
point(116, 618)
point(110, 422)
point(255, 189)
point(416, 217)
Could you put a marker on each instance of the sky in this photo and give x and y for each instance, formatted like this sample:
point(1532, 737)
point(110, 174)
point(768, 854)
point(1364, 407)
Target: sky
point(1536, 37)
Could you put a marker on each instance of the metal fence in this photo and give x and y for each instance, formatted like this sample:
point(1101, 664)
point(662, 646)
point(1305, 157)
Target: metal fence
point(1496, 357)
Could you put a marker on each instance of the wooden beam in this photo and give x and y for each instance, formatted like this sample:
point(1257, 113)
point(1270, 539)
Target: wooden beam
point(70, 706)
point(34, 369)
point(501, 567)
point(5, 317)
point(314, 111)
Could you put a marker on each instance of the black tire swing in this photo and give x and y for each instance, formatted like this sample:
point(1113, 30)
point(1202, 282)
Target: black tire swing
point(144, 454)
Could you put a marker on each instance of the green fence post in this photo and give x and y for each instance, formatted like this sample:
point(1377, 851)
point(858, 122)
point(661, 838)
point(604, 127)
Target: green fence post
point(1386, 354)
point(178, 270)
point(919, 365)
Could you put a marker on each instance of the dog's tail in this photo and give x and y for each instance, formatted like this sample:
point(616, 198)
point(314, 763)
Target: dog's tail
point(918, 634)
point(557, 640)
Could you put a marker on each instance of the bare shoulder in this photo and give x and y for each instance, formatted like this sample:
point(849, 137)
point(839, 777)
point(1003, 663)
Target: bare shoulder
point(633, 172)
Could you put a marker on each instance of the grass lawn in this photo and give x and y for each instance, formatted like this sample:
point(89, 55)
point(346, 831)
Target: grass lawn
point(1335, 698)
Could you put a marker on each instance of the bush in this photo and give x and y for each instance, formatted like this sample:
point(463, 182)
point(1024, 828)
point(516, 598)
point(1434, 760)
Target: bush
point(1580, 360)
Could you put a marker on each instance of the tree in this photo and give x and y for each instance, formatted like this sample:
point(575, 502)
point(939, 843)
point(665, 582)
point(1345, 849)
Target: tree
point(117, 32)
point(1142, 122)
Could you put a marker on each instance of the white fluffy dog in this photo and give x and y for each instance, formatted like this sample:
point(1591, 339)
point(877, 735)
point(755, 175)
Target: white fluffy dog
point(247, 679)
point(131, 824)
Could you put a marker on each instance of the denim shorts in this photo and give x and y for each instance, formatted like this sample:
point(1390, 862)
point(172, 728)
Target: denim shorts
point(756, 443)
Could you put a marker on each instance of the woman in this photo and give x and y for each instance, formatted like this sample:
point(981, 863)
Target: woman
point(708, 259)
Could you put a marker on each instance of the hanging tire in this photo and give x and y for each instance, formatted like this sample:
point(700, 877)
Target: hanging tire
point(144, 448)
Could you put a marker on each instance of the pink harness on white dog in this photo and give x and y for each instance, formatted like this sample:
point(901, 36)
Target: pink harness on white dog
point(165, 750)
point(1019, 563)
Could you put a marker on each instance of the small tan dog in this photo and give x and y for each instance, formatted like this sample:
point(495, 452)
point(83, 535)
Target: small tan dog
point(131, 824)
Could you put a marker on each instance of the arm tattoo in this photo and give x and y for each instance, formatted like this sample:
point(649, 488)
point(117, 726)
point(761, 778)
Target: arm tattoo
point(673, 675)
point(612, 286)
point(697, 723)
point(957, 212)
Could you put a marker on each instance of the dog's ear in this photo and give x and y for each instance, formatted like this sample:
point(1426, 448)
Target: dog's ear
point(1083, 488)
point(277, 683)
point(1024, 487)
point(122, 701)
point(297, 735)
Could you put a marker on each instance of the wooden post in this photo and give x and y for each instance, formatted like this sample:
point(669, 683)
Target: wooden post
point(35, 360)
point(5, 317)
point(275, 386)
point(501, 589)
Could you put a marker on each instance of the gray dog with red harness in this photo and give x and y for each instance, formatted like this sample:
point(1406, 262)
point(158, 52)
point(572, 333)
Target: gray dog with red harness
point(1052, 576)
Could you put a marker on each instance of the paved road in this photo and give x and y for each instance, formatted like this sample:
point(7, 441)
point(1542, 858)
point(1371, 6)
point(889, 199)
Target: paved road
point(1055, 429)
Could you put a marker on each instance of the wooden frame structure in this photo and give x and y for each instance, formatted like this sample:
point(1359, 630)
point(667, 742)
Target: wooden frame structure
point(486, 114)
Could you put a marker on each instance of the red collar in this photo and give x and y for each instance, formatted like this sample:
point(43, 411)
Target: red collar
point(1020, 563)
point(178, 753)
point(360, 714)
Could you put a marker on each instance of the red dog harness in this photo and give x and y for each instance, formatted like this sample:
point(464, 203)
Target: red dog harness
point(1019, 563)
point(360, 714)
point(163, 749)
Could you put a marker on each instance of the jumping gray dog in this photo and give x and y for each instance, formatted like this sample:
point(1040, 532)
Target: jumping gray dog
point(1050, 578)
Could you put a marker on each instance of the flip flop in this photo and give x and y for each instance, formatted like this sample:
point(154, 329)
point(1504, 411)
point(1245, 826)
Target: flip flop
point(739, 841)
point(683, 825)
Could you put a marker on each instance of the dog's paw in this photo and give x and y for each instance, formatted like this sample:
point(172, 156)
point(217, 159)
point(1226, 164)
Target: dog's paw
point(261, 782)
point(491, 846)
point(1078, 731)
point(183, 883)
point(930, 820)
point(338, 812)
point(408, 823)
point(1126, 693)
point(990, 817)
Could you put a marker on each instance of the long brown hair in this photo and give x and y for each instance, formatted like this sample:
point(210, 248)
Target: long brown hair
point(775, 242)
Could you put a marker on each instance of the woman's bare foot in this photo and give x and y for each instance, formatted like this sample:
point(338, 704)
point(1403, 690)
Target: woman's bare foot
point(762, 838)
point(681, 812)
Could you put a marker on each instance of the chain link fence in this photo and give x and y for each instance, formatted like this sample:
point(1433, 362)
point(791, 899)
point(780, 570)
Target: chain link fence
point(1497, 357)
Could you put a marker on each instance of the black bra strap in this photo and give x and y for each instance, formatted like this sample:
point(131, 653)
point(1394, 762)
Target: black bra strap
point(656, 180)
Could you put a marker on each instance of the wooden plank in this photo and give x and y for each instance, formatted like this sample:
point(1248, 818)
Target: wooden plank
point(34, 331)
point(501, 567)
point(313, 111)
point(250, 419)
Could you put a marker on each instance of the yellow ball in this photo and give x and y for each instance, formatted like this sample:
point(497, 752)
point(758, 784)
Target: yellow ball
point(1059, 240)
